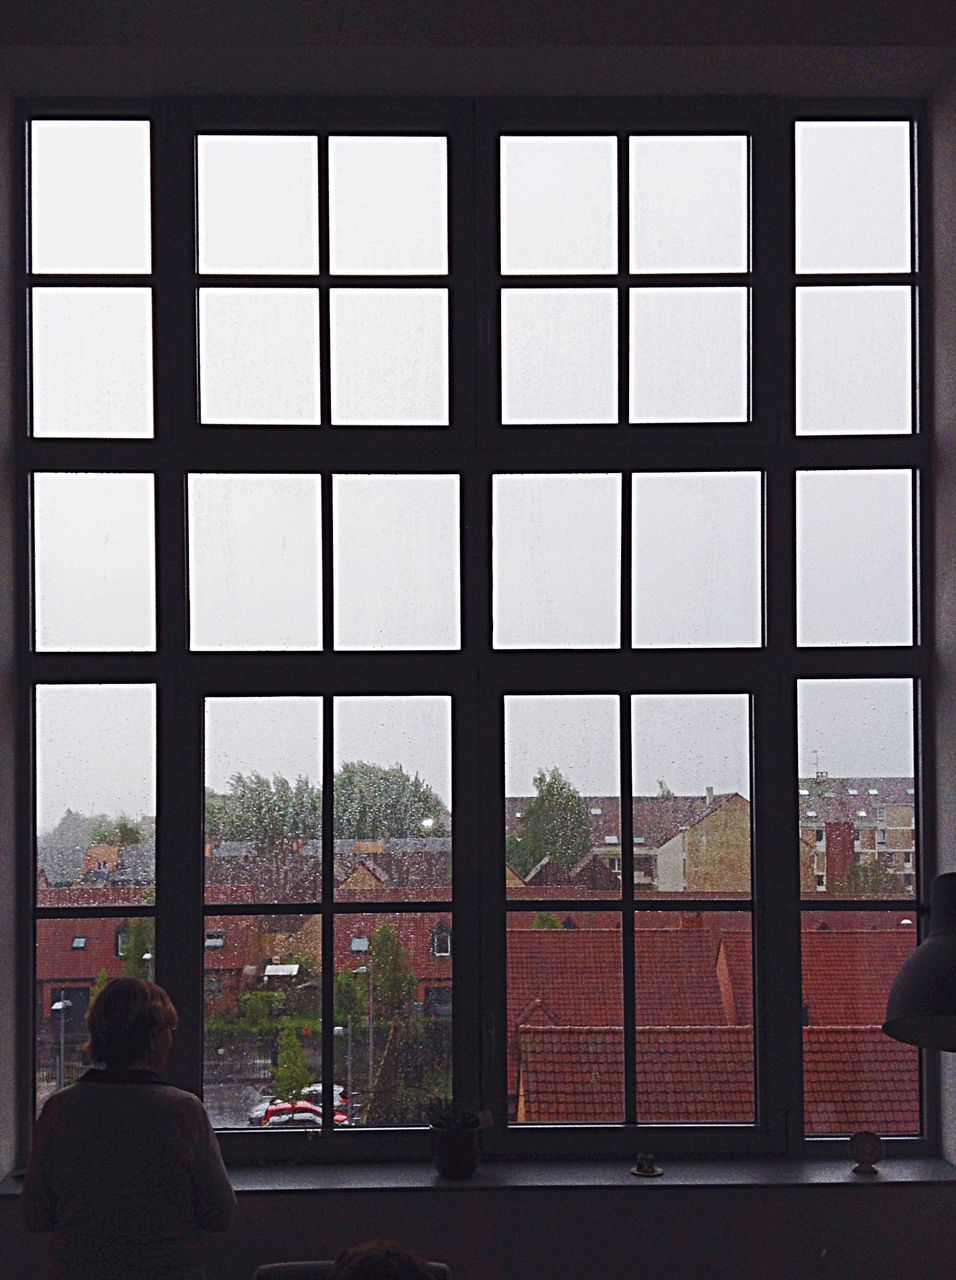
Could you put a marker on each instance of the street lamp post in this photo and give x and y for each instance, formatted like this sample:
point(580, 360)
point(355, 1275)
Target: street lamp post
point(368, 969)
point(347, 1031)
point(60, 1007)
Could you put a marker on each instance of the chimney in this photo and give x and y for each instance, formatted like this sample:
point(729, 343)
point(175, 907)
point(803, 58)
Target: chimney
point(710, 795)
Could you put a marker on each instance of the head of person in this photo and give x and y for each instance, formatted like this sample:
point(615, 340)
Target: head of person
point(131, 1025)
point(380, 1260)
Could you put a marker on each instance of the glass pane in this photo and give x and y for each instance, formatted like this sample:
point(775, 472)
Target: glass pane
point(95, 794)
point(392, 798)
point(556, 561)
point(853, 195)
point(565, 1019)
point(89, 196)
point(689, 359)
point(689, 198)
point(854, 1076)
point(854, 361)
point(854, 530)
point(693, 991)
point(558, 206)
point(389, 357)
point(393, 998)
point(263, 780)
point(697, 559)
point(690, 763)
point(259, 356)
point(258, 204)
point(92, 362)
point(857, 789)
point(262, 1028)
point(94, 562)
point(558, 355)
point(255, 568)
point(397, 575)
point(562, 796)
point(388, 206)
point(75, 958)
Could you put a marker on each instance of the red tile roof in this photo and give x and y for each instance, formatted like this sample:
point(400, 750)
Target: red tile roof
point(571, 1075)
point(847, 973)
point(858, 1078)
point(676, 979)
point(685, 1075)
point(695, 1075)
point(566, 977)
point(855, 1077)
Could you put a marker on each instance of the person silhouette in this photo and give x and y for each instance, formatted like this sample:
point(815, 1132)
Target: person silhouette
point(124, 1170)
point(379, 1260)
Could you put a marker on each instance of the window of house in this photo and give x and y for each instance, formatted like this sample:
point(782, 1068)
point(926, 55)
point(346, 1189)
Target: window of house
point(79, 943)
point(441, 940)
point(334, 413)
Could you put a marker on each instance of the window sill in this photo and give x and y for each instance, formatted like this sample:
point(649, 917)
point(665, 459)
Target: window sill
point(496, 1175)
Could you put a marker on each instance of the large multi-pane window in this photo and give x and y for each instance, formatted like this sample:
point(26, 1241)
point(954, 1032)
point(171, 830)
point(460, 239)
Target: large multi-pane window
point(472, 611)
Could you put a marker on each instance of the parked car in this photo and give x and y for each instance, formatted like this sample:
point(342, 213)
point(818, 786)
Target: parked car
point(273, 1112)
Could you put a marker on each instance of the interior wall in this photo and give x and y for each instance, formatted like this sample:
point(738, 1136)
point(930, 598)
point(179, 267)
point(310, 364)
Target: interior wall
point(850, 1232)
point(785, 1232)
point(944, 394)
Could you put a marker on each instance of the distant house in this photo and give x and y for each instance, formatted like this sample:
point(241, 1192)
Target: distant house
point(859, 822)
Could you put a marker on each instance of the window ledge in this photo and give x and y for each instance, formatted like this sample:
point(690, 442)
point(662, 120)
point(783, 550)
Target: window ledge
point(494, 1175)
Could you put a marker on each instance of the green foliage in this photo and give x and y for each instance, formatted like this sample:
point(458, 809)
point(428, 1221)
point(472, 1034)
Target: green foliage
point(546, 920)
point(138, 943)
point(351, 998)
point(392, 976)
point(275, 816)
point(260, 1010)
point(115, 831)
point(870, 880)
point(291, 1074)
point(555, 823)
point(215, 818)
point(374, 803)
point(517, 857)
point(102, 978)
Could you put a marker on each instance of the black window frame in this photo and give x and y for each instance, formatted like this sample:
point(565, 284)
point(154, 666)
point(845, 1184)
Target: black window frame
point(476, 446)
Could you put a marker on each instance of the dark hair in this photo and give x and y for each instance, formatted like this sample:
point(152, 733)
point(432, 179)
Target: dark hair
point(380, 1260)
point(123, 1019)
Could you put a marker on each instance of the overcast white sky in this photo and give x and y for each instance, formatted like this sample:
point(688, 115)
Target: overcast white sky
point(696, 538)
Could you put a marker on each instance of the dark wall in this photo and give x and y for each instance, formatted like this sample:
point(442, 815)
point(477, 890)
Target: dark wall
point(869, 1232)
point(792, 1233)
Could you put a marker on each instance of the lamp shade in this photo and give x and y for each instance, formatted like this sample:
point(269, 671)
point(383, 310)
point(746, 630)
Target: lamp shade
point(921, 1008)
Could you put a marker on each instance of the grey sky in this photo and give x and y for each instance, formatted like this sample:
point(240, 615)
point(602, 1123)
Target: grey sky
point(689, 741)
point(861, 728)
point(282, 735)
point(396, 539)
point(95, 751)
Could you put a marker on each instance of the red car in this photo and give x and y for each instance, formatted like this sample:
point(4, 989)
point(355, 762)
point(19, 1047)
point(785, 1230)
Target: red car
point(302, 1113)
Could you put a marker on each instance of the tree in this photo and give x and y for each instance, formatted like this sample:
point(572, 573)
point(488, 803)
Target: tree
point(259, 1010)
point(392, 976)
point(102, 978)
point(870, 880)
point(351, 998)
point(291, 1073)
point(546, 920)
point(374, 803)
point(116, 831)
point(275, 817)
point(555, 823)
point(136, 945)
